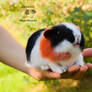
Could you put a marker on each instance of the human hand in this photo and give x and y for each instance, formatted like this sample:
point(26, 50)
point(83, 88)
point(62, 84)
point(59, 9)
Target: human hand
point(73, 72)
point(76, 72)
point(43, 74)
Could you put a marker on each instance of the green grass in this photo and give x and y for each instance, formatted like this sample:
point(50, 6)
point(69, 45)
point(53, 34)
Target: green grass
point(12, 80)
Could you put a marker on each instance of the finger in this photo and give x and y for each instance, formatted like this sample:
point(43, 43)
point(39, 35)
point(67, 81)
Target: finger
point(83, 68)
point(73, 68)
point(51, 75)
point(89, 65)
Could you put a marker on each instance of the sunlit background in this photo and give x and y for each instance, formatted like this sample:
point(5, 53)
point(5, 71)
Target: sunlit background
point(23, 17)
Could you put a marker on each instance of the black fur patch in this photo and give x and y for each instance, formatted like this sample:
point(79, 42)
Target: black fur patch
point(58, 34)
point(82, 43)
point(31, 42)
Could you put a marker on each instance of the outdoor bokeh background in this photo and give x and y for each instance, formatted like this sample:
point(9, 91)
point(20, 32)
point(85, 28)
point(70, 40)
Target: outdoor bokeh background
point(23, 17)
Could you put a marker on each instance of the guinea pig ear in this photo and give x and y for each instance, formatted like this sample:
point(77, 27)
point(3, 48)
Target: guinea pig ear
point(48, 33)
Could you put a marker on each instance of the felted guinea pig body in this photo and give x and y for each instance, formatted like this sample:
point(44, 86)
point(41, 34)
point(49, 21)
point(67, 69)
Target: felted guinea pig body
point(56, 48)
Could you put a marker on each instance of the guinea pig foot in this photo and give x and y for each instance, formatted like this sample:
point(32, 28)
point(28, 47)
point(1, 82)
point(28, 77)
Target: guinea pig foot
point(64, 69)
point(44, 67)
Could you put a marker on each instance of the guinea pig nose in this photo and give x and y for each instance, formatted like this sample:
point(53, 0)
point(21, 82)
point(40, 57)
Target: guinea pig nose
point(76, 45)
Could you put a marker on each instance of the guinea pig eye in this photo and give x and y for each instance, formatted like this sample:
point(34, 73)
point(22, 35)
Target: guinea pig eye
point(58, 32)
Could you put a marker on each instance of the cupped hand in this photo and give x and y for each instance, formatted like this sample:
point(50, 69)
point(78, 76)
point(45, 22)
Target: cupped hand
point(73, 72)
point(76, 72)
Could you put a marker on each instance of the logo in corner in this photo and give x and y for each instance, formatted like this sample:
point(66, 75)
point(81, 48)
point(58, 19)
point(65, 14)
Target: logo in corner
point(28, 13)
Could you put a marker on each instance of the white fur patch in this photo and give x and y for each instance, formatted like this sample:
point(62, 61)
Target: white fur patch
point(66, 46)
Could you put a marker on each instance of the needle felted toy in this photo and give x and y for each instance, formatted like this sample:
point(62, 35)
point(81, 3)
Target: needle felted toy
point(56, 48)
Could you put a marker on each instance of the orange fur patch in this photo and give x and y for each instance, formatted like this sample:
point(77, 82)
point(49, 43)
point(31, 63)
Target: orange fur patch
point(48, 52)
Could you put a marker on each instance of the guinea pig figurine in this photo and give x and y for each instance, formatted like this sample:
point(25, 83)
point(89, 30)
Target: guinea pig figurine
point(56, 48)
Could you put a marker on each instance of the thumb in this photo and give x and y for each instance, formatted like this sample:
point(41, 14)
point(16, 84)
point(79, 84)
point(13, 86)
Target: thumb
point(89, 65)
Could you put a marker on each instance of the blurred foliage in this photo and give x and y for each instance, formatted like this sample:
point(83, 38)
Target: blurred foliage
point(84, 20)
point(43, 14)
